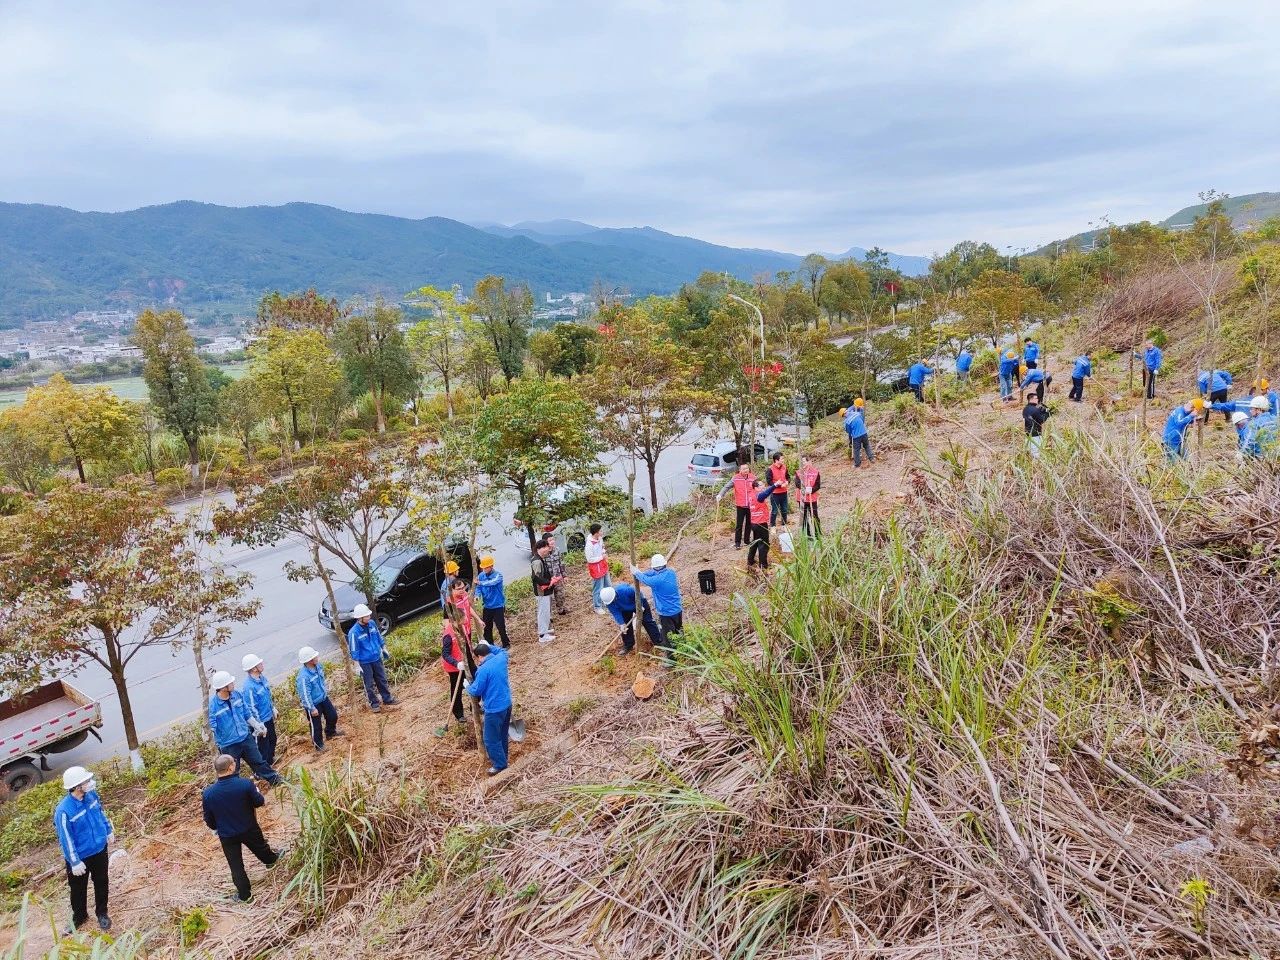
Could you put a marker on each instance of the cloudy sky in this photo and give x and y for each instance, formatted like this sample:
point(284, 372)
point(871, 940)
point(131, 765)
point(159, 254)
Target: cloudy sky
point(796, 126)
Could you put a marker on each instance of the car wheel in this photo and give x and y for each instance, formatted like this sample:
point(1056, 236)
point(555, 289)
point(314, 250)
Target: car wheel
point(385, 622)
point(21, 776)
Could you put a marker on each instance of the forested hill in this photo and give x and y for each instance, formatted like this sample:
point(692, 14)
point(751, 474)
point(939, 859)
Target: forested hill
point(201, 256)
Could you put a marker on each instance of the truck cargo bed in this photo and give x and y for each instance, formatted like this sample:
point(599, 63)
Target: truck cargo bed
point(53, 712)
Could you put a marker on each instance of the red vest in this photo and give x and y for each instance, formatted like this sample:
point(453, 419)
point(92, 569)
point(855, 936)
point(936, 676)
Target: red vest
point(808, 477)
point(742, 488)
point(456, 651)
point(759, 511)
point(778, 475)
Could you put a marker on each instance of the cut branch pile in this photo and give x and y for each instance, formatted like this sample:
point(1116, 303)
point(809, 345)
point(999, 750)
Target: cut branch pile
point(1160, 297)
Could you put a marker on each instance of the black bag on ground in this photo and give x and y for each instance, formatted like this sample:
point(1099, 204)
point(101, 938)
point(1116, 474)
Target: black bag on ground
point(707, 581)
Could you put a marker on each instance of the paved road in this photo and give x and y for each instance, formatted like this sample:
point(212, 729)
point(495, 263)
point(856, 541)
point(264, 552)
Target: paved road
point(164, 687)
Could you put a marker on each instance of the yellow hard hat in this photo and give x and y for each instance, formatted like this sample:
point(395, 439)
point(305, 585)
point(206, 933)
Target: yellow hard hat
point(451, 566)
point(1263, 383)
point(859, 402)
point(486, 562)
point(1010, 354)
point(1197, 404)
point(842, 410)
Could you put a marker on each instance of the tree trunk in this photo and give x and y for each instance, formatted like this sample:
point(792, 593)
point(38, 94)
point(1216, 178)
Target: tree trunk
point(348, 672)
point(80, 468)
point(293, 416)
point(116, 669)
point(448, 398)
point(652, 466)
point(377, 410)
point(197, 650)
point(193, 455)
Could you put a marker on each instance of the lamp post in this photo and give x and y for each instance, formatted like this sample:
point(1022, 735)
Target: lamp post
point(751, 456)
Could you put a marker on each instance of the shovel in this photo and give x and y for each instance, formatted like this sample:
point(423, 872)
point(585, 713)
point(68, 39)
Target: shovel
point(516, 731)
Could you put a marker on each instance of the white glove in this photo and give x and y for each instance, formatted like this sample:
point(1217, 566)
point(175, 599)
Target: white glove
point(78, 869)
point(258, 727)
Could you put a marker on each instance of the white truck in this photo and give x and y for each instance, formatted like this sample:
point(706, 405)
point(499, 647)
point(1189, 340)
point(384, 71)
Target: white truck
point(53, 718)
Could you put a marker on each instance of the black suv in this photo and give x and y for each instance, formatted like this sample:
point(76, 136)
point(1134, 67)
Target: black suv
point(408, 584)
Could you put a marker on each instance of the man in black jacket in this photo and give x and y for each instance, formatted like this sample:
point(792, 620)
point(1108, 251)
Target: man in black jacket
point(544, 582)
point(230, 807)
point(1034, 414)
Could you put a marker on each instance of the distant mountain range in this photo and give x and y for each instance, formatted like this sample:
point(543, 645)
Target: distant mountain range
point(1244, 211)
point(208, 258)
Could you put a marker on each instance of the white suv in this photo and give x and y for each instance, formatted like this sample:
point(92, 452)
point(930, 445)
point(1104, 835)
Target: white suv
point(712, 466)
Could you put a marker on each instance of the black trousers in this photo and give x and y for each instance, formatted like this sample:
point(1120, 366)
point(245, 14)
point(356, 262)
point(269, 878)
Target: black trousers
point(325, 723)
point(1218, 396)
point(233, 850)
point(807, 511)
point(741, 525)
point(759, 546)
point(95, 870)
point(860, 444)
point(495, 618)
point(1149, 378)
point(1077, 389)
point(456, 679)
point(267, 743)
point(668, 626)
point(918, 390)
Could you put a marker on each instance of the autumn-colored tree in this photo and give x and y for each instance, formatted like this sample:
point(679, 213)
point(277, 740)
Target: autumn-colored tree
point(999, 302)
point(176, 378)
point(375, 356)
point(101, 575)
point(78, 423)
point(342, 503)
point(504, 315)
point(24, 456)
point(438, 344)
point(480, 366)
point(545, 352)
point(746, 389)
point(646, 386)
point(297, 376)
point(539, 437)
point(242, 408)
point(299, 311)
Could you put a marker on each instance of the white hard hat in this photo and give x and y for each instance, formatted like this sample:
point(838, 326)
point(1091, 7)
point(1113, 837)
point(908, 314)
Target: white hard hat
point(1260, 403)
point(307, 654)
point(72, 777)
point(221, 679)
point(250, 661)
point(657, 561)
point(607, 594)
point(361, 611)
point(1238, 417)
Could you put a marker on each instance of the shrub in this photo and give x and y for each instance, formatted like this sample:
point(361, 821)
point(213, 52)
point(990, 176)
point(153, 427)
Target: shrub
point(413, 648)
point(28, 819)
point(352, 434)
point(192, 925)
point(173, 479)
point(518, 591)
point(336, 816)
point(268, 453)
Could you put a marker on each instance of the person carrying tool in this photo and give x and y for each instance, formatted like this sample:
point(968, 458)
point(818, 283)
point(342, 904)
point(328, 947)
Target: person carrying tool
point(740, 483)
point(1175, 428)
point(1218, 386)
point(369, 650)
point(597, 558)
point(778, 476)
point(85, 834)
point(920, 371)
point(258, 690)
point(855, 425)
point(1030, 353)
point(1008, 371)
point(1152, 358)
point(759, 549)
point(492, 687)
point(230, 805)
point(1037, 380)
point(493, 595)
point(665, 587)
point(1260, 433)
point(313, 694)
point(964, 361)
point(453, 660)
point(810, 480)
point(1083, 369)
point(620, 602)
point(1034, 414)
point(544, 581)
point(234, 721)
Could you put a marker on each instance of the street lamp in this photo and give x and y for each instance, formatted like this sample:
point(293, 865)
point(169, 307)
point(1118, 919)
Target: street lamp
point(760, 317)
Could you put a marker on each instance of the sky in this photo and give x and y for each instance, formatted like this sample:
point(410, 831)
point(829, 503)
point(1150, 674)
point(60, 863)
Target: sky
point(793, 126)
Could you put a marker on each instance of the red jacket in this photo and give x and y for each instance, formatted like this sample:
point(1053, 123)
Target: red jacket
point(778, 476)
point(455, 650)
point(809, 477)
point(742, 488)
point(759, 511)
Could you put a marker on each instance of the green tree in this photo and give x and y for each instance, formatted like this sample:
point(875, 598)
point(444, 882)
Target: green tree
point(846, 290)
point(299, 311)
point(101, 575)
point(438, 344)
point(24, 456)
point(545, 352)
point(746, 389)
point(375, 356)
point(645, 384)
point(176, 378)
point(504, 316)
point(956, 270)
point(998, 303)
point(79, 424)
point(812, 270)
point(298, 376)
point(539, 437)
point(819, 374)
point(242, 410)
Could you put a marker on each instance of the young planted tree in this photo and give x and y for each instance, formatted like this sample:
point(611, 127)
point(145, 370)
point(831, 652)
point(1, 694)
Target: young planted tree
point(77, 424)
point(297, 376)
point(100, 575)
point(241, 408)
point(539, 437)
point(504, 316)
point(176, 378)
point(342, 504)
point(376, 358)
point(645, 385)
point(438, 344)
